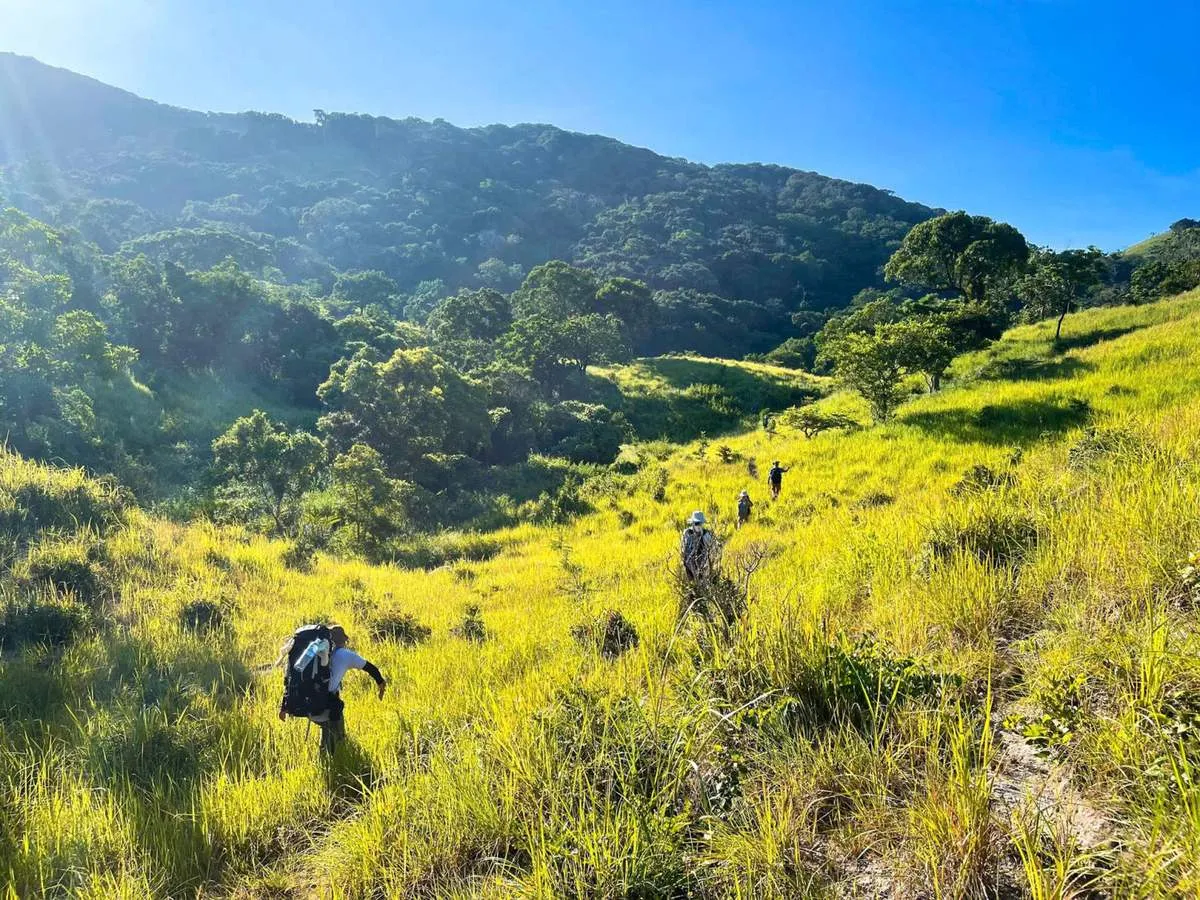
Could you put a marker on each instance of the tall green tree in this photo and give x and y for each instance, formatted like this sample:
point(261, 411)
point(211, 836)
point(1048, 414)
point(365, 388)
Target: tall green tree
point(410, 405)
point(872, 364)
point(1060, 281)
point(280, 464)
point(959, 253)
point(555, 289)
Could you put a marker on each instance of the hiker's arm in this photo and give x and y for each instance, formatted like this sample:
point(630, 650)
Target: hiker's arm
point(371, 670)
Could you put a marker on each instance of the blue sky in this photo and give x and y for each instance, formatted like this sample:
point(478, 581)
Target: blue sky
point(1077, 122)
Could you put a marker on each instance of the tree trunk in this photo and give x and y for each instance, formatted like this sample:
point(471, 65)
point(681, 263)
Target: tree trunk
point(1058, 330)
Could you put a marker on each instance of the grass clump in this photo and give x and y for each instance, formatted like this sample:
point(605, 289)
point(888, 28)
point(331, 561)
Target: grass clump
point(471, 628)
point(995, 535)
point(67, 565)
point(398, 627)
point(610, 634)
point(45, 620)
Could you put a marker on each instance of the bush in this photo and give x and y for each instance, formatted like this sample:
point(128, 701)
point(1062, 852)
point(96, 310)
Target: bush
point(873, 499)
point(472, 627)
point(611, 634)
point(68, 566)
point(400, 628)
point(300, 553)
point(995, 536)
point(981, 478)
point(53, 621)
point(203, 616)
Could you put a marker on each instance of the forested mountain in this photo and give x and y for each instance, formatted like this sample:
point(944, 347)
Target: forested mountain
point(731, 250)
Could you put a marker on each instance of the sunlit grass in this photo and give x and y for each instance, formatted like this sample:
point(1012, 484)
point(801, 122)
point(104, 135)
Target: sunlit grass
point(146, 759)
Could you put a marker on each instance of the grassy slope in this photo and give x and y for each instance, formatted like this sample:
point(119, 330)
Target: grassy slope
point(527, 766)
point(678, 397)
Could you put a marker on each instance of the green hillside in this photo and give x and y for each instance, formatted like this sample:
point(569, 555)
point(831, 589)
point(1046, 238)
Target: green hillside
point(966, 667)
point(732, 249)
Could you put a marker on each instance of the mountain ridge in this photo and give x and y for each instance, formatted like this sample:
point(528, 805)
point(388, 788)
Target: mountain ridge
point(436, 207)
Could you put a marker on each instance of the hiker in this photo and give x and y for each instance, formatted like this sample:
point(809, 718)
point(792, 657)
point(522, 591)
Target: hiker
point(696, 548)
point(317, 661)
point(744, 507)
point(775, 479)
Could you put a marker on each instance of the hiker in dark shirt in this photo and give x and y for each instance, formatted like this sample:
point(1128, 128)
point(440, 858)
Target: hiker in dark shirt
point(775, 479)
point(745, 505)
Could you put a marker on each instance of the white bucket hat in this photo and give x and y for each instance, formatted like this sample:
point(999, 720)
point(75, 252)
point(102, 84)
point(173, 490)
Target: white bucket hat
point(697, 518)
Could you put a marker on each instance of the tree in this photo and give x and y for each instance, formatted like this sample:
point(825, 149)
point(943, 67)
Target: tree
point(372, 288)
point(811, 423)
point(1158, 278)
point(414, 403)
point(1059, 282)
point(279, 464)
point(482, 315)
point(631, 302)
point(959, 253)
point(924, 345)
point(370, 502)
point(871, 364)
point(547, 347)
point(555, 289)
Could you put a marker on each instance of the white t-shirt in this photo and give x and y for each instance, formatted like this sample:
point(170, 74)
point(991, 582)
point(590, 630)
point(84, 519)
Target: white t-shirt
point(340, 662)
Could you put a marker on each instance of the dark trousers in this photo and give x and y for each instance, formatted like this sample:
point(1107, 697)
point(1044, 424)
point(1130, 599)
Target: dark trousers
point(333, 730)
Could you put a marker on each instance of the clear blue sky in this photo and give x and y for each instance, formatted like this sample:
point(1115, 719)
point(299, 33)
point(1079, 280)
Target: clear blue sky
point(1079, 122)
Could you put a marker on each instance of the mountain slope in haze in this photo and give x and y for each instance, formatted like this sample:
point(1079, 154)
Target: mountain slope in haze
point(437, 207)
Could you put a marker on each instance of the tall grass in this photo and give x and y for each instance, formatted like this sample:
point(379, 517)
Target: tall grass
point(839, 738)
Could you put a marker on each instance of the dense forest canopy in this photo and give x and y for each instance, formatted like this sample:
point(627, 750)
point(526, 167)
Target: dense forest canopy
point(732, 250)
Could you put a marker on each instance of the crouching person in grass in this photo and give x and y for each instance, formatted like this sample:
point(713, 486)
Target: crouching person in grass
point(317, 661)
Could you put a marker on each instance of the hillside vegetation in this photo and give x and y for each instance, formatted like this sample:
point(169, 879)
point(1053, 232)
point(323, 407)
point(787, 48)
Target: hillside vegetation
point(430, 208)
point(966, 666)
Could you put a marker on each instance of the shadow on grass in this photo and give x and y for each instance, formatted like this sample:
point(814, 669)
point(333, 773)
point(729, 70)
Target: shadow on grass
point(1003, 423)
point(1091, 338)
point(1026, 369)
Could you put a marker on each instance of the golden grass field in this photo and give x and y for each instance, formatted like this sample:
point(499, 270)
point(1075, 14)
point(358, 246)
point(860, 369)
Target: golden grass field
point(968, 668)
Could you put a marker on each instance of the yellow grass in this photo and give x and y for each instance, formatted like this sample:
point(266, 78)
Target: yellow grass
point(790, 759)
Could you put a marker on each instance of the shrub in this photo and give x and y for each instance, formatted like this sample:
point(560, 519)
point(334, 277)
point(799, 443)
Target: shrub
point(68, 566)
point(611, 634)
point(995, 536)
point(49, 621)
point(1099, 443)
point(981, 478)
point(400, 628)
point(203, 616)
point(727, 454)
point(873, 499)
point(300, 553)
point(471, 628)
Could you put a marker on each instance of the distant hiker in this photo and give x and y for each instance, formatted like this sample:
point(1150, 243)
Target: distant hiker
point(744, 507)
point(697, 547)
point(317, 661)
point(775, 479)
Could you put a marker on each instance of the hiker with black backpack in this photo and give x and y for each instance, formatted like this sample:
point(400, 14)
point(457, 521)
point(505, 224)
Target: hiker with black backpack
point(696, 547)
point(317, 661)
point(775, 479)
point(745, 505)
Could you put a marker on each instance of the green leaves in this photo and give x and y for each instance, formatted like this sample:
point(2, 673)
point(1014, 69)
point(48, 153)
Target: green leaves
point(958, 252)
point(280, 464)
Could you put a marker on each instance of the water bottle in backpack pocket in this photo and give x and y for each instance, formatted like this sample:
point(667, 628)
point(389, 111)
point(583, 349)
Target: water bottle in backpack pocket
point(306, 676)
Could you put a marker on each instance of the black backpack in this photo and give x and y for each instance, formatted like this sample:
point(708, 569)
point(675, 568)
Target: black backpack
point(695, 548)
point(306, 690)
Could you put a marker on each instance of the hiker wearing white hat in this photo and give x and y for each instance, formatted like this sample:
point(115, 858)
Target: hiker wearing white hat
point(696, 547)
point(744, 505)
